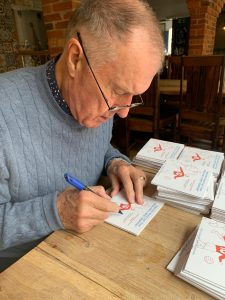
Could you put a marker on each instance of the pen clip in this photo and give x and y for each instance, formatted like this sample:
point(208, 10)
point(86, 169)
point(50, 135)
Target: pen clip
point(74, 182)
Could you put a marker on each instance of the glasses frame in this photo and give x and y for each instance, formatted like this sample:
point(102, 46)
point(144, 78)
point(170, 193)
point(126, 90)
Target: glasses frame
point(111, 108)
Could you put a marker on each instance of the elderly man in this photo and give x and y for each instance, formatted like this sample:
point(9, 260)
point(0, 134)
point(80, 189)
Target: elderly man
point(58, 118)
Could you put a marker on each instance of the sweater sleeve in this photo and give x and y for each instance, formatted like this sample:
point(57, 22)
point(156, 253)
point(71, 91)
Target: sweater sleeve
point(25, 221)
point(114, 153)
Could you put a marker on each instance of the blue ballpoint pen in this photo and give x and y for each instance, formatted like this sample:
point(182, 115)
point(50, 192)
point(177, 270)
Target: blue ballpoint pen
point(79, 185)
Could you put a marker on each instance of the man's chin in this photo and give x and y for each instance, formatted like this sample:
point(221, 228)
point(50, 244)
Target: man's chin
point(95, 123)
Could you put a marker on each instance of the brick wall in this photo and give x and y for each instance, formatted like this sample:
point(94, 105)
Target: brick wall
point(56, 15)
point(203, 18)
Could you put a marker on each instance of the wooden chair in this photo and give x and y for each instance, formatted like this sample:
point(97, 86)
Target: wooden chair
point(164, 70)
point(174, 72)
point(174, 67)
point(200, 103)
point(149, 118)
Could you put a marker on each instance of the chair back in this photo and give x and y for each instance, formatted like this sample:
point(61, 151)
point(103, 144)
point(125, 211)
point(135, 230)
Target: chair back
point(164, 70)
point(149, 109)
point(174, 67)
point(140, 119)
point(143, 118)
point(201, 96)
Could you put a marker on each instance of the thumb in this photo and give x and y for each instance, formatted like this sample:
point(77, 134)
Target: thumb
point(99, 190)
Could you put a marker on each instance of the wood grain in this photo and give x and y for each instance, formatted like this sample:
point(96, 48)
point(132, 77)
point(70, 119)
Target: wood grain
point(105, 263)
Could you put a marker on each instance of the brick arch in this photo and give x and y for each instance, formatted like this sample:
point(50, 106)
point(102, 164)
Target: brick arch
point(203, 18)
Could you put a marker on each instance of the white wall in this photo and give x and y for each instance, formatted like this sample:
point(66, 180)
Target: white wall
point(170, 9)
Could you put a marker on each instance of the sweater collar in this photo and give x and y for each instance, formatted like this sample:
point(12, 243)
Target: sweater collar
point(50, 73)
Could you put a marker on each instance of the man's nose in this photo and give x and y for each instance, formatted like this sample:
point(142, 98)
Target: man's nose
point(122, 113)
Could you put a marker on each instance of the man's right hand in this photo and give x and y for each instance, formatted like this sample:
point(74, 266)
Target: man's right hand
point(82, 210)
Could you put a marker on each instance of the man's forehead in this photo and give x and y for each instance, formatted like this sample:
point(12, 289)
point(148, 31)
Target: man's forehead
point(135, 77)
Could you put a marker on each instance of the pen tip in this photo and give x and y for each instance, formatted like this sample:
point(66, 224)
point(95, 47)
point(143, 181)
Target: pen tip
point(120, 212)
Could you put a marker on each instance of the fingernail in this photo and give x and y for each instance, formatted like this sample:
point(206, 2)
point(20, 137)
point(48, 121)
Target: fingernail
point(141, 201)
point(132, 200)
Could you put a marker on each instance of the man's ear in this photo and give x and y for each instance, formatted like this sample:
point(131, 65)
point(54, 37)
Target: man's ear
point(74, 51)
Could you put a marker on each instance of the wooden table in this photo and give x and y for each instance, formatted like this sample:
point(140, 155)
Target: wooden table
point(169, 87)
point(105, 263)
point(172, 87)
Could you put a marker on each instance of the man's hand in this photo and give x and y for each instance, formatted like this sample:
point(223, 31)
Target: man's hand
point(132, 179)
point(82, 210)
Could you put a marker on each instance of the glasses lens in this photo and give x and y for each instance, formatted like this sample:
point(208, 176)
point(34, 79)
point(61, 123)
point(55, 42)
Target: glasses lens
point(136, 100)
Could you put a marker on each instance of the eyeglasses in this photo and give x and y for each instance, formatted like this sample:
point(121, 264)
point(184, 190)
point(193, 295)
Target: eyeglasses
point(111, 108)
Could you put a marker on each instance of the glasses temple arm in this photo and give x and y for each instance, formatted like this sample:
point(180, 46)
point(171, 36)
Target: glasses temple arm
point(89, 65)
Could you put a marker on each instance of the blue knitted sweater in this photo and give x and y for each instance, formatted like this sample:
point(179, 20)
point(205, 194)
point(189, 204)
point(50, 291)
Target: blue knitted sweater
point(39, 142)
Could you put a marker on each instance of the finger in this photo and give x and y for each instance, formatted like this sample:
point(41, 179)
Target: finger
point(124, 175)
point(138, 188)
point(115, 185)
point(98, 202)
point(129, 189)
point(143, 177)
point(88, 212)
point(139, 180)
point(99, 190)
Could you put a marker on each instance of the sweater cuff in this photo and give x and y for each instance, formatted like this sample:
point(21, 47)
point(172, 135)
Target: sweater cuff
point(51, 212)
point(122, 157)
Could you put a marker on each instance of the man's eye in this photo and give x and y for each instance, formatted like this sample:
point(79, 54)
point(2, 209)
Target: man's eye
point(122, 94)
point(117, 93)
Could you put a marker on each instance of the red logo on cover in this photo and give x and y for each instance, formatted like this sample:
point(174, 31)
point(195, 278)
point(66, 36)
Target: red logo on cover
point(159, 148)
point(125, 206)
point(178, 174)
point(196, 157)
point(221, 250)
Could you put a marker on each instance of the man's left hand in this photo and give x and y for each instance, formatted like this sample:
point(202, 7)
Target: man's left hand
point(132, 179)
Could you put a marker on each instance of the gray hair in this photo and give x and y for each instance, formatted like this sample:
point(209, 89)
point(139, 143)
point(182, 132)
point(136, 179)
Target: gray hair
point(105, 21)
